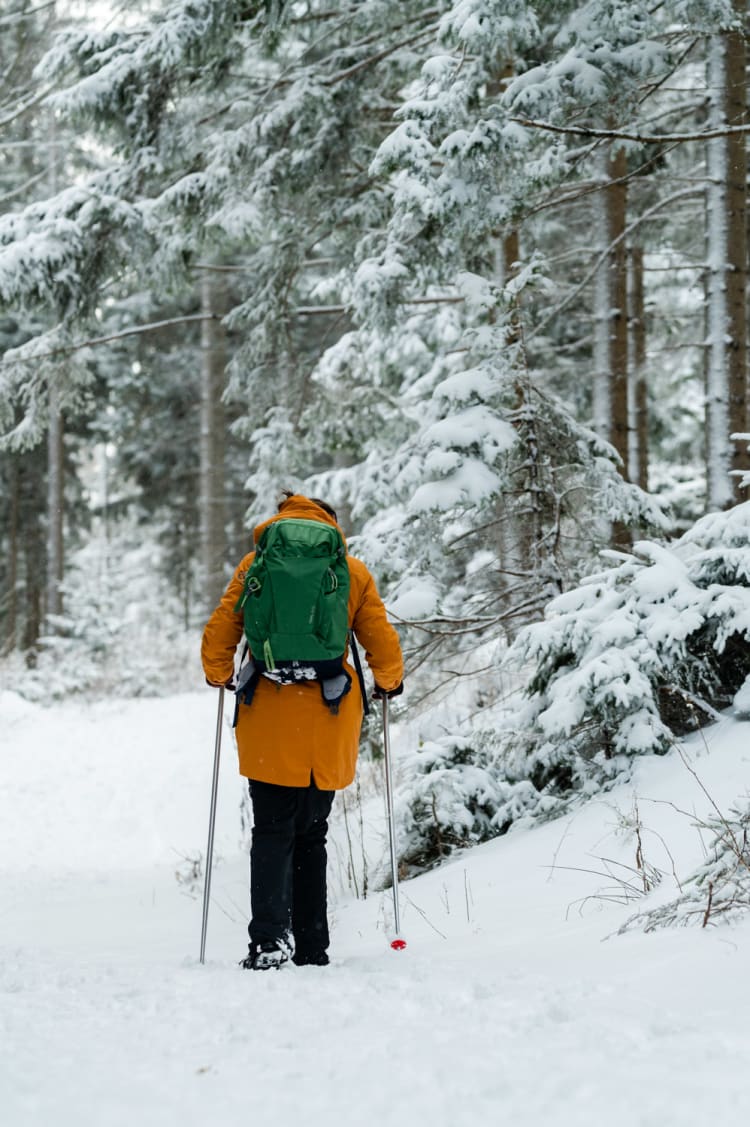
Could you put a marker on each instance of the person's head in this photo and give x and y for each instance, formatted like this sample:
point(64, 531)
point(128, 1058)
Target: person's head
point(287, 493)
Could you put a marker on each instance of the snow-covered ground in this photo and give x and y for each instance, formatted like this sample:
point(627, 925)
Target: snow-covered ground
point(515, 1002)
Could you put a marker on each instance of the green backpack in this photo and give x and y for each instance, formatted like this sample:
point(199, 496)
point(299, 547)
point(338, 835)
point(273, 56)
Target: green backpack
point(295, 603)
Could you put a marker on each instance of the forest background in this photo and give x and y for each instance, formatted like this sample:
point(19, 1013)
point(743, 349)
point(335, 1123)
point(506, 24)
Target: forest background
point(474, 271)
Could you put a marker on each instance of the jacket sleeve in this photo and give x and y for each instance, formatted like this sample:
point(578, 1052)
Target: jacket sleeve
point(223, 630)
point(377, 635)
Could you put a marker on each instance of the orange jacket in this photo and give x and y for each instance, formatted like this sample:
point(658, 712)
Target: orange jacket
point(288, 735)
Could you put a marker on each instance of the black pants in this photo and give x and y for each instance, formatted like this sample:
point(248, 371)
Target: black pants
point(288, 893)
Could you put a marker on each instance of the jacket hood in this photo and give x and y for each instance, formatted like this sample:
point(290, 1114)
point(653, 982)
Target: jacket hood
point(298, 508)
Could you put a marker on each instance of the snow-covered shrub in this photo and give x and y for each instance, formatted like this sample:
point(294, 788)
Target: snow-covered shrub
point(645, 650)
point(719, 890)
point(452, 795)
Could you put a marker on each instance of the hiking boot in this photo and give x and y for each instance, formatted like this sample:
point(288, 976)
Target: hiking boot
point(269, 955)
point(310, 959)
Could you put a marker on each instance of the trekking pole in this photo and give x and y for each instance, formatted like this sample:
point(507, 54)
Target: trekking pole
point(398, 943)
point(211, 824)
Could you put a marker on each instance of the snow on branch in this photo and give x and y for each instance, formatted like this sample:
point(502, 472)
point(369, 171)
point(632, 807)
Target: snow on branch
point(127, 72)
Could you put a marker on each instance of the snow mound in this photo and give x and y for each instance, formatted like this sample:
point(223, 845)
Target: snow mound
point(741, 702)
point(14, 707)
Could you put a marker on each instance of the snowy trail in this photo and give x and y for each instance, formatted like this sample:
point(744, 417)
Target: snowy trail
point(370, 1042)
point(507, 1006)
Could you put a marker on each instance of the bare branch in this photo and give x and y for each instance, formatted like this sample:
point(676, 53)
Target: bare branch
point(639, 138)
point(318, 310)
point(376, 58)
point(65, 349)
point(602, 258)
point(26, 106)
point(18, 16)
point(23, 188)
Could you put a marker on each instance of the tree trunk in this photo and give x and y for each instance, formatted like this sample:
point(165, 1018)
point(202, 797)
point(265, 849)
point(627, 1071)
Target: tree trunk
point(11, 617)
point(637, 389)
point(616, 207)
point(32, 551)
point(516, 534)
point(601, 408)
point(610, 388)
point(511, 253)
point(736, 114)
point(527, 529)
point(55, 450)
point(55, 507)
point(726, 279)
point(212, 443)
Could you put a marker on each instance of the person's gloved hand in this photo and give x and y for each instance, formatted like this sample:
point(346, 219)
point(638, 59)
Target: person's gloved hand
point(219, 685)
point(378, 693)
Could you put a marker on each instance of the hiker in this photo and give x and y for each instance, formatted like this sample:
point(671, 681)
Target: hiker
point(298, 730)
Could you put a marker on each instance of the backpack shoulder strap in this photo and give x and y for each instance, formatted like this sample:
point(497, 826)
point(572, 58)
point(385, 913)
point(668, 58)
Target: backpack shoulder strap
point(360, 674)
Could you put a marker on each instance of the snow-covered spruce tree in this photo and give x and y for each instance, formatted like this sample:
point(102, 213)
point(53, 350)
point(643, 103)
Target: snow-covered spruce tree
point(635, 655)
point(483, 509)
point(306, 159)
point(450, 796)
point(454, 147)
